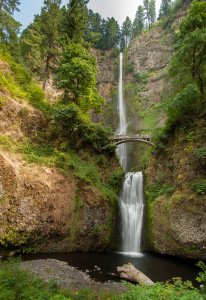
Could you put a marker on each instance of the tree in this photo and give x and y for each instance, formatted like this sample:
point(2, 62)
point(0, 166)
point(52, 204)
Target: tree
point(93, 33)
point(49, 27)
point(40, 42)
point(189, 61)
point(76, 19)
point(9, 28)
point(138, 24)
point(127, 31)
point(146, 8)
point(111, 34)
point(9, 6)
point(152, 12)
point(165, 8)
point(76, 75)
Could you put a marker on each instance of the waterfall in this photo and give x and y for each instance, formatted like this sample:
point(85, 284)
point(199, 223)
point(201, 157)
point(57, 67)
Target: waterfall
point(132, 208)
point(122, 149)
point(132, 198)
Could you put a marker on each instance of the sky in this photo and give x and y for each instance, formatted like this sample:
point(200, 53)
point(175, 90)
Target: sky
point(119, 9)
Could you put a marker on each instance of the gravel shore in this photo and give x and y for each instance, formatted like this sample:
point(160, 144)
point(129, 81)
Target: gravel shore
point(67, 276)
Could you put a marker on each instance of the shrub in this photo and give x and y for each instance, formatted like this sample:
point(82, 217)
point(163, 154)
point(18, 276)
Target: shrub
point(199, 187)
point(72, 124)
point(141, 77)
point(156, 190)
point(183, 105)
point(200, 153)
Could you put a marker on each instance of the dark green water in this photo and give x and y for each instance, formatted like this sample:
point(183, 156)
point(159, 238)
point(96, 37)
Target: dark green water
point(99, 265)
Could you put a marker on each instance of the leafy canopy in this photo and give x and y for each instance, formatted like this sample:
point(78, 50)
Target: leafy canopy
point(76, 76)
point(189, 62)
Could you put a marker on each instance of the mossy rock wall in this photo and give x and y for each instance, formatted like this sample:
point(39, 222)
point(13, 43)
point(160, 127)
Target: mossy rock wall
point(176, 196)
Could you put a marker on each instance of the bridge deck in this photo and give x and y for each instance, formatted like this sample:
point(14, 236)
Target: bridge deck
point(119, 139)
point(130, 137)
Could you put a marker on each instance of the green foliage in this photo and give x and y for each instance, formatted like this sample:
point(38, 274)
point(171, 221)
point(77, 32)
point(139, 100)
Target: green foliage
point(20, 84)
point(150, 12)
point(157, 190)
point(9, 6)
point(189, 62)
point(76, 75)
point(126, 33)
point(72, 124)
point(16, 284)
point(202, 276)
point(199, 155)
point(40, 42)
point(6, 142)
point(116, 180)
point(199, 186)
point(138, 24)
point(179, 290)
point(183, 106)
point(160, 139)
point(165, 8)
point(9, 30)
point(75, 19)
point(168, 11)
point(141, 77)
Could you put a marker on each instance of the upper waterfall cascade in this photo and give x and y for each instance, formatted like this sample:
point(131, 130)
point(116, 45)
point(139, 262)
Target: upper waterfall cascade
point(122, 149)
point(132, 198)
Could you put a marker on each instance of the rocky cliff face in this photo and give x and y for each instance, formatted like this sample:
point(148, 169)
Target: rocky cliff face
point(37, 210)
point(175, 209)
point(42, 207)
point(176, 195)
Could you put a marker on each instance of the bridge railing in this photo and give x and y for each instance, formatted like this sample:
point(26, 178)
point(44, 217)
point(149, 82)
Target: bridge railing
point(131, 136)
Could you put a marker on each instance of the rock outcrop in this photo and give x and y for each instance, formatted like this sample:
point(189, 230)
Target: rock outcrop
point(37, 209)
point(150, 54)
point(176, 208)
point(42, 207)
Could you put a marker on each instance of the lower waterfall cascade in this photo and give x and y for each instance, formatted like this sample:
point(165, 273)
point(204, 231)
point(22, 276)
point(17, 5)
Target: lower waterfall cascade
point(132, 209)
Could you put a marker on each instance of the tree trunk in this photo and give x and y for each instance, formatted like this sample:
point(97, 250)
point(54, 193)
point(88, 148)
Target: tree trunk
point(130, 273)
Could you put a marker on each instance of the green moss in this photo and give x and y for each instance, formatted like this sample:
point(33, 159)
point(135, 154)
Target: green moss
point(2, 101)
point(6, 142)
point(13, 237)
point(156, 190)
point(199, 186)
point(19, 84)
point(149, 240)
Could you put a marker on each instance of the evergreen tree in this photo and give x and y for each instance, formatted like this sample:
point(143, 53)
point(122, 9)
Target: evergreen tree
point(76, 19)
point(9, 6)
point(152, 12)
point(40, 41)
point(146, 8)
point(138, 24)
point(165, 7)
point(93, 33)
point(127, 31)
point(111, 34)
point(189, 62)
point(9, 28)
point(49, 27)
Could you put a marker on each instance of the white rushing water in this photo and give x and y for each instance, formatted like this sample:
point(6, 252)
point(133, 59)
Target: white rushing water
point(132, 197)
point(122, 149)
point(132, 208)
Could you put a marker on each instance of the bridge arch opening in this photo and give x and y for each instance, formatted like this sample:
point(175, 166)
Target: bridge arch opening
point(134, 141)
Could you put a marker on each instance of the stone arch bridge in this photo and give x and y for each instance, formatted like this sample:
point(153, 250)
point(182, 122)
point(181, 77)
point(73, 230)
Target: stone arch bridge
point(121, 139)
